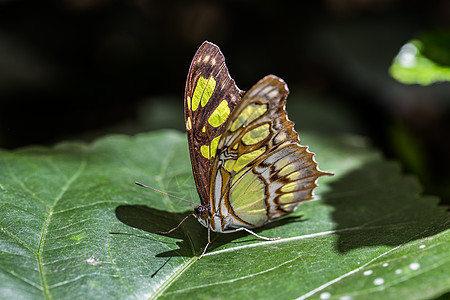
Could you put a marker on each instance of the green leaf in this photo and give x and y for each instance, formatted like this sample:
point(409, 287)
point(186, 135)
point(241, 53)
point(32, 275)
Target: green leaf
point(423, 61)
point(74, 225)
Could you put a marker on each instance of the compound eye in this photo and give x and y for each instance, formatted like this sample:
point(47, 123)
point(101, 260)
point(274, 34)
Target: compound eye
point(201, 212)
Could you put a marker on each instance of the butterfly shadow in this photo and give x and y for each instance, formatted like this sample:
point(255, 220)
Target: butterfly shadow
point(192, 234)
point(377, 204)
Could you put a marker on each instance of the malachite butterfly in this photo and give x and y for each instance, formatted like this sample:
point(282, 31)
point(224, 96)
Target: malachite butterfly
point(248, 164)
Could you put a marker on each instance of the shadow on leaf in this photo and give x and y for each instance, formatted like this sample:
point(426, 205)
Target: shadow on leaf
point(155, 221)
point(193, 235)
point(378, 205)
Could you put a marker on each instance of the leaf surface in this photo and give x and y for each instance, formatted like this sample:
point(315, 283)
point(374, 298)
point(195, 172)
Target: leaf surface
point(74, 225)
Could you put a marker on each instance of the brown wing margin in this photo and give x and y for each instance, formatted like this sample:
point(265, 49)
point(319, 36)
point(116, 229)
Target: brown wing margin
point(207, 62)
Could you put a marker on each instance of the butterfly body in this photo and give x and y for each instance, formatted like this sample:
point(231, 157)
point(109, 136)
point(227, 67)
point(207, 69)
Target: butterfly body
point(248, 164)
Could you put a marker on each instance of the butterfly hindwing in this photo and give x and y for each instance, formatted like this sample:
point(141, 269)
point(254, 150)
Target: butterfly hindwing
point(210, 96)
point(261, 172)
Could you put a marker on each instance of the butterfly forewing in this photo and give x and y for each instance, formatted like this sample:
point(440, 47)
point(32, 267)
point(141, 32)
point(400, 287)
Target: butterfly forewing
point(210, 96)
point(261, 172)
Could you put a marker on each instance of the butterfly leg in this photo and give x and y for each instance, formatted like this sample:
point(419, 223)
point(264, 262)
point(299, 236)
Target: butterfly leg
point(207, 244)
point(175, 228)
point(251, 232)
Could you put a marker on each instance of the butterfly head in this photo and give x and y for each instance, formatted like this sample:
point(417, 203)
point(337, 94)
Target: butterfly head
point(202, 212)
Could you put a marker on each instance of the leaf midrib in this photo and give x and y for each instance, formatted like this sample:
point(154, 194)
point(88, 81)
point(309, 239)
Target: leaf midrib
point(188, 263)
point(69, 182)
point(173, 277)
point(337, 279)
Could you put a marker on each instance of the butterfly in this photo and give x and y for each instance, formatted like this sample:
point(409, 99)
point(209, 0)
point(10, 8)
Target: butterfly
point(247, 161)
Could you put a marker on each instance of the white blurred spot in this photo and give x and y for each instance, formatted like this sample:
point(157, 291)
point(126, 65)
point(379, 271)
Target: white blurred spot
point(385, 264)
point(325, 295)
point(92, 261)
point(346, 298)
point(407, 55)
point(378, 281)
point(398, 271)
point(414, 266)
point(422, 246)
point(368, 272)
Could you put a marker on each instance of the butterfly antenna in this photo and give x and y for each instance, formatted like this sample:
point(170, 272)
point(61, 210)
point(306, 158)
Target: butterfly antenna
point(143, 185)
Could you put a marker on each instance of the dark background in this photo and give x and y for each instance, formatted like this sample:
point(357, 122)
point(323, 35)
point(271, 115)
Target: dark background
point(80, 69)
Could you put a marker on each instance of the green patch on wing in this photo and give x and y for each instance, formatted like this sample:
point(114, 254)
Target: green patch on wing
point(203, 91)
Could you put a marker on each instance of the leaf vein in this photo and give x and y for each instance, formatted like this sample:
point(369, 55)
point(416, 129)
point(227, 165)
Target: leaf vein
point(234, 279)
point(47, 223)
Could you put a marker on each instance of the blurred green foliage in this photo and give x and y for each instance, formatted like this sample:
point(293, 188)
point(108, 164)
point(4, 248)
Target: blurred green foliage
point(423, 61)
